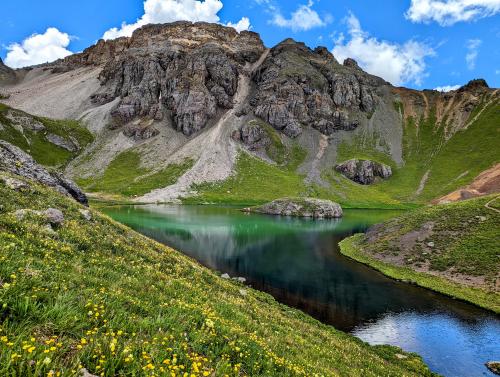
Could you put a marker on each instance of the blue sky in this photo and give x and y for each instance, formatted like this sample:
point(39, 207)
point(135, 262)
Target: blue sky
point(415, 43)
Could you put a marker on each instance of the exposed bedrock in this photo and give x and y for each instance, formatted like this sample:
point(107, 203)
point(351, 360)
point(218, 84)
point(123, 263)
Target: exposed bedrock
point(363, 171)
point(181, 70)
point(252, 135)
point(298, 87)
point(16, 161)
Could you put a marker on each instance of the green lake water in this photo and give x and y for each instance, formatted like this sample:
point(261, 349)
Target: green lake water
point(299, 263)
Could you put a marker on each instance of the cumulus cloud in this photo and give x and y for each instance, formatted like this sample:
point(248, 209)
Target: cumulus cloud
point(161, 11)
point(448, 12)
point(472, 52)
point(303, 18)
point(447, 88)
point(38, 49)
point(396, 63)
point(243, 24)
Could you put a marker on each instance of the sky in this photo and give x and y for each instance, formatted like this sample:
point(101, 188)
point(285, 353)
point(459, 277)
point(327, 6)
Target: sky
point(423, 44)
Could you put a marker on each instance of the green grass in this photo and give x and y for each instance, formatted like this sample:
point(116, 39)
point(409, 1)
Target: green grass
point(254, 182)
point(125, 176)
point(96, 295)
point(425, 148)
point(37, 145)
point(466, 243)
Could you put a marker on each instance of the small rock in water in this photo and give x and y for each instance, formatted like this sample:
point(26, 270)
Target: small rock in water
point(494, 366)
point(54, 216)
point(225, 276)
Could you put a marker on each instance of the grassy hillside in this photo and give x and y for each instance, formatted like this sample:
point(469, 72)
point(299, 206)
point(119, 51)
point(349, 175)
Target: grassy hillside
point(447, 163)
point(93, 294)
point(125, 176)
point(450, 248)
point(22, 134)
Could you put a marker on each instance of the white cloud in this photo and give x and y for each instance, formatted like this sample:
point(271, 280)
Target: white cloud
point(303, 18)
point(396, 63)
point(243, 24)
point(447, 88)
point(448, 12)
point(38, 49)
point(472, 52)
point(161, 11)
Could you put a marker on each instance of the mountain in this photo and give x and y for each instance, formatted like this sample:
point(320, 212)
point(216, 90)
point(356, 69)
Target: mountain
point(201, 112)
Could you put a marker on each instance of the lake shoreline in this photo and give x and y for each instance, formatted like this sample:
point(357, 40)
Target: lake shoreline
point(350, 248)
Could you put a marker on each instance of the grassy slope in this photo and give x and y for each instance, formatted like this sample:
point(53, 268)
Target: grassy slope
point(125, 176)
point(42, 150)
point(472, 150)
point(424, 149)
point(463, 244)
point(95, 294)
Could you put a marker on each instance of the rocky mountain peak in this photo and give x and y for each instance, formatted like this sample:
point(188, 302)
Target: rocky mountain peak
point(474, 85)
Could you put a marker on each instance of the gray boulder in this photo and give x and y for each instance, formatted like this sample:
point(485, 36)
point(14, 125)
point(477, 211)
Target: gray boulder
point(16, 161)
point(300, 207)
point(252, 135)
point(363, 171)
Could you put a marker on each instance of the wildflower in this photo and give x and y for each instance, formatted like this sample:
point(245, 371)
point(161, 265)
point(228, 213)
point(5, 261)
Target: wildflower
point(47, 360)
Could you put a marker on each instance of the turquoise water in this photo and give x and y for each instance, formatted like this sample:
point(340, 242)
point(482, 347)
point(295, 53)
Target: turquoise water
point(298, 262)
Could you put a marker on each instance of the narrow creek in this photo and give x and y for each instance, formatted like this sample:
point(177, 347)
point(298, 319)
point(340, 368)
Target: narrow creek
point(299, 263)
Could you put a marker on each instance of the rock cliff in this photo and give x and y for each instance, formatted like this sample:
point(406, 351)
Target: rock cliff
point(364, 171)
point(15, 161)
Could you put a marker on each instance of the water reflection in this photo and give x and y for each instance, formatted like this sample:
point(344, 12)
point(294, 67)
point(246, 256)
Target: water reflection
point(298, 262)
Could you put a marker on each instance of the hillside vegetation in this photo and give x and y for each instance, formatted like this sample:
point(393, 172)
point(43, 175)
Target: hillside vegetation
point(434, 165)
point(30, 133)
point(450, 248)
point(92, 294)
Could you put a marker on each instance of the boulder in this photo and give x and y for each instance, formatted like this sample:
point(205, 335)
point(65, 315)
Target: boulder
point(16, 161)
point(253, 136)
point(363, 171)
point(300, 207)
point(61, 142)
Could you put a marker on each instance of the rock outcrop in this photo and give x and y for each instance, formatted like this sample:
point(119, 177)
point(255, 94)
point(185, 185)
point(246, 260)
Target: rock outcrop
point(363, 171)
point(299, 87)
point(182, 70)
point(252, 135)
point(300, 207)
point(7, 74)
point(15, 161)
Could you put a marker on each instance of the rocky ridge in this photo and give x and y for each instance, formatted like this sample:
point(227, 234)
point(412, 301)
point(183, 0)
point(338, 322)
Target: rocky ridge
point(181, 70)
point(15, 161)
